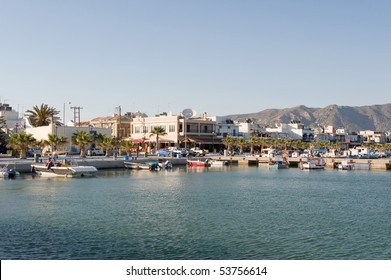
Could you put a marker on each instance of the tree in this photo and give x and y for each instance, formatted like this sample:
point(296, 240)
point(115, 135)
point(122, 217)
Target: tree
point(43, 115)
point(253, 141)
point(228, 141)
point(107, 143)
point(241, 143)
point(21, 142)
point(158, 131)
point(127, 146)
point(82, 139)
point(55, 141)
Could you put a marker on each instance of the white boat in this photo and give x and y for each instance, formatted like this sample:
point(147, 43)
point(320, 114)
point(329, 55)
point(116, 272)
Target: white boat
point(313, 163)
point(350, 165)
point(63, 170)
point(218, 163)
point(136, 165)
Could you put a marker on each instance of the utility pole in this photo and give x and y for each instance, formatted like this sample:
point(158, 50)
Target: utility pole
point(76, 114)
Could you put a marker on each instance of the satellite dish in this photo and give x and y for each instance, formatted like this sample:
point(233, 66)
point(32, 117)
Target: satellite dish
point(188, 113)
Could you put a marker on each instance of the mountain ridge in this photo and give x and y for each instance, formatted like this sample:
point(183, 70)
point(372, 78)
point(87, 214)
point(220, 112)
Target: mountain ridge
point(353, 118)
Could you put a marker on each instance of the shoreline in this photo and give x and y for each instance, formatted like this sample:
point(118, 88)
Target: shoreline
point(24, 165)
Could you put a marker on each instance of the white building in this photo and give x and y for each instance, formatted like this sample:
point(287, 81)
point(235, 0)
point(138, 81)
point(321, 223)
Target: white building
point(42, 132)
point(180, 131)
point(293, 130)
point(225, 127)
point(12, 120)
point(370, 136)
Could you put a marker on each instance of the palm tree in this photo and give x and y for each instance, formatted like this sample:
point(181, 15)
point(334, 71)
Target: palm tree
point(82, 139)
point(43, 115)
point(127, 146)
point(158, 131)
point(55, 141)
point(107, 143)
point(252, 142)
point(241, 143)
point(21, 142)
point(228, 141)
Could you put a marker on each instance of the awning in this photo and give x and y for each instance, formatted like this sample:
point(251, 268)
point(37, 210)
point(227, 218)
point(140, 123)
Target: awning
point(202, 140)
point(165, 140)
point(140, 140)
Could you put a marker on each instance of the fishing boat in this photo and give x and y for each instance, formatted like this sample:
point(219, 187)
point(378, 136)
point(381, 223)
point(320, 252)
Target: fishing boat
point(198, 162)
point(350, 165)
point(313, 163)
point(66, 169)
point(279, 162)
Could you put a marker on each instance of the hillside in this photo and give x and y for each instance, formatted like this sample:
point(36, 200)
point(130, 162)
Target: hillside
point(375, 117)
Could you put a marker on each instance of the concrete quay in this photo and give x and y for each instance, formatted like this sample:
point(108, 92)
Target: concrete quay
point(375, 164)
point(24, 165)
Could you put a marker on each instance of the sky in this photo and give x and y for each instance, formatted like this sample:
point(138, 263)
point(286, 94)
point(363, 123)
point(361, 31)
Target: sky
point(214, 56)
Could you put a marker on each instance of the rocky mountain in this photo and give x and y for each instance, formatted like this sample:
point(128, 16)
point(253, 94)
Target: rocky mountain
point(374, 117)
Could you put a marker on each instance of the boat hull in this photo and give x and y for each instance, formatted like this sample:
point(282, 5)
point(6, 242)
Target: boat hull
point(65, 171)
point(353, 166)
point(198, 163)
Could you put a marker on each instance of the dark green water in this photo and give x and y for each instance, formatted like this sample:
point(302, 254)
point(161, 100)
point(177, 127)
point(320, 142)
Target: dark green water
point(233, 213)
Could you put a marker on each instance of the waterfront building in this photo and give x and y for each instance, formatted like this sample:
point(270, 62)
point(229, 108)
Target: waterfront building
point(42, 132)
point(370, 136)
point(224, 127)
point(119, 125)
point(195, 131)
point(294, 130)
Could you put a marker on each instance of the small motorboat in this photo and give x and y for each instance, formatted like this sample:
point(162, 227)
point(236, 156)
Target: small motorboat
point(6, 172)
point(66, 169)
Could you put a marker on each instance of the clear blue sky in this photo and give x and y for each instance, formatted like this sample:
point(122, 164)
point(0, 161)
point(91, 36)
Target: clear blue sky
point(215, 56)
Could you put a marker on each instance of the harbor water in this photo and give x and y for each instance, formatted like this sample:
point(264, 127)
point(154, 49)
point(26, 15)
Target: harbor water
point(198, 213)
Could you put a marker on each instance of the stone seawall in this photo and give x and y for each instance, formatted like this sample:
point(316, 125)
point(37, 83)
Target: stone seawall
point(24, 166)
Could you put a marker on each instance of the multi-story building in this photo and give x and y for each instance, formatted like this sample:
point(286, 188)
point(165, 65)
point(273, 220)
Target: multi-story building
point(180, 131)
point(377, 137)
point(12, 120)
point(225, 127)
point(293, 130)
point(119, 125)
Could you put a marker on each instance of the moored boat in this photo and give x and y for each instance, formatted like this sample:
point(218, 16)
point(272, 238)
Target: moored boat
point(6, 172)
point(350, 165)
point(198, 162)
point(218, 163)
point(280, 162)
point(63, 170)
point(313, 163)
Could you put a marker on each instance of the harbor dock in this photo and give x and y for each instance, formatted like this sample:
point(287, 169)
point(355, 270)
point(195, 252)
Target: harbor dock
point(24, 165)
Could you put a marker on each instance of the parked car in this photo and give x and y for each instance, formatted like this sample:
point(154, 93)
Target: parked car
point(96, 152)
point(196, 151)
point(163, 153)
point(30, 152)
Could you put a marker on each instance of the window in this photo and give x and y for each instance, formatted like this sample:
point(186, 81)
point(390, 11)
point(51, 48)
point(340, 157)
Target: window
point(171, 128)
point(137, 129)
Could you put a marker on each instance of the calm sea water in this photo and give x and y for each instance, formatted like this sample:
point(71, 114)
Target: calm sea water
point(227, 213)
